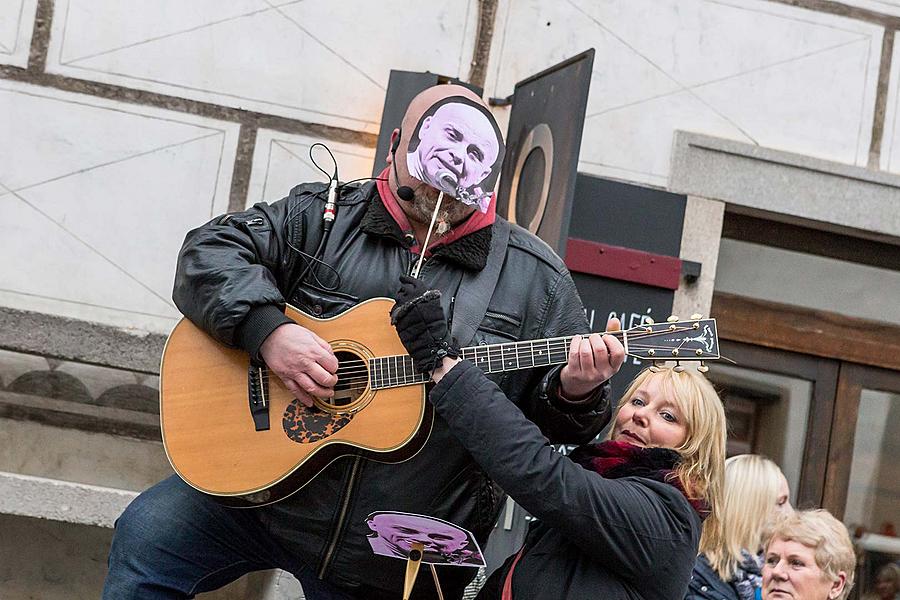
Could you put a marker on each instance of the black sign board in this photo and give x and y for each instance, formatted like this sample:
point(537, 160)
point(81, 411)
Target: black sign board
point(633, 217)
point(543, 141)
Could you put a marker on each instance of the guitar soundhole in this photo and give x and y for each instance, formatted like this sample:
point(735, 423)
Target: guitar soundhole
point(305, 424)
point(353, 379)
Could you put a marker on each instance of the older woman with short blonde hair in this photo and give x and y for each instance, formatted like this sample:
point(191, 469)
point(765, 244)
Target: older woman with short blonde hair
point(808, 556)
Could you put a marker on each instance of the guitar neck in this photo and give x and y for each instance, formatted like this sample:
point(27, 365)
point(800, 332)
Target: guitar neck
point(394, 371)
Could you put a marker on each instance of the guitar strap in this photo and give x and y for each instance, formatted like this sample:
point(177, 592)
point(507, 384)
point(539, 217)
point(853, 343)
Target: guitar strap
point(477, 288)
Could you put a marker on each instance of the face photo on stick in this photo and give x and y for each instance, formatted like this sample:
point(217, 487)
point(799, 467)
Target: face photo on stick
point(394, 533)
point(457, 148)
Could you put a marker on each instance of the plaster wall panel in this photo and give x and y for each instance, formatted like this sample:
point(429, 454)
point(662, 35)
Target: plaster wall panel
point(96, 198)
point(281, 161)
point(16, 24)
point(748, 70)
point(890, 144)
point(319, 61)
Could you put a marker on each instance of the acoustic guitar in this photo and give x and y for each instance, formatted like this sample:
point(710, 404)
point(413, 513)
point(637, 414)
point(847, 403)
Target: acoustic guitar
point(232, 431)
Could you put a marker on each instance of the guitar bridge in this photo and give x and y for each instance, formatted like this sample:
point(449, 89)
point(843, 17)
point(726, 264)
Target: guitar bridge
point(258, 395)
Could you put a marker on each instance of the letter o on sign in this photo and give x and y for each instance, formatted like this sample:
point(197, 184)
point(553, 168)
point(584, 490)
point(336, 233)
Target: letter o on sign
point(539, 138)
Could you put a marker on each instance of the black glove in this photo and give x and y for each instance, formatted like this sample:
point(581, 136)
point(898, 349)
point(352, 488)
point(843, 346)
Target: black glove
point(421, 324)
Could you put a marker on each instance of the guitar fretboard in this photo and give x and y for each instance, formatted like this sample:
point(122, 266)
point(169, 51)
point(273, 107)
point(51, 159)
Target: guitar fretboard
point(394, 371)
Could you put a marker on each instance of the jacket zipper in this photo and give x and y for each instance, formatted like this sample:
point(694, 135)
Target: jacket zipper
point(351, 482)
point(342, 514)
point(413, 261)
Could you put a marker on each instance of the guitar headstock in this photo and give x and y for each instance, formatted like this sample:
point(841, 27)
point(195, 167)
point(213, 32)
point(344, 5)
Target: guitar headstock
point(691, 340)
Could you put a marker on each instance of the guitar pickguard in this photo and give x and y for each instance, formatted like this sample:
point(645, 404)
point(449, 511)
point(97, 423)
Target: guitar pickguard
point(305, 425)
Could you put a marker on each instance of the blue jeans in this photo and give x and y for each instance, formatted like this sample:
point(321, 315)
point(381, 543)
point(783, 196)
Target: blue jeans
point(174, 542)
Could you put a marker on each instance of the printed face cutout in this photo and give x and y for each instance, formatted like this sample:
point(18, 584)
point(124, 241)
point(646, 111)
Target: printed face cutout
point(457, 148)
point(394, 533)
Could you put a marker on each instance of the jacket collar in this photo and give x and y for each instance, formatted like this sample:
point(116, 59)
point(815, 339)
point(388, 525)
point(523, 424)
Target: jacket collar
point(469, 251)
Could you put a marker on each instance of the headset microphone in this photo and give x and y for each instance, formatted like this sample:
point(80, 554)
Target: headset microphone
point(404, 192)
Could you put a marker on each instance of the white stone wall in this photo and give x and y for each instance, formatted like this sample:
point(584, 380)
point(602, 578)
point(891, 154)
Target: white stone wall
point(750, 70)
point(97, 192)
point(282, 160)
point(324, 62)
point(97, 197)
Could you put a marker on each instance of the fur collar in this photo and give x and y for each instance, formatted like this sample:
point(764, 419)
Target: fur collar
point(614, 460)
point(470, 251)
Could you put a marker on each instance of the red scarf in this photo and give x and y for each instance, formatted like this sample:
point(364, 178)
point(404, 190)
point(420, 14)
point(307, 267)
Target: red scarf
point(613, 460)
point(477, 220)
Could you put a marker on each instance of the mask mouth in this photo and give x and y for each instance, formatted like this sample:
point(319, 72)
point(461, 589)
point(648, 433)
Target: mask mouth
point(448, 181)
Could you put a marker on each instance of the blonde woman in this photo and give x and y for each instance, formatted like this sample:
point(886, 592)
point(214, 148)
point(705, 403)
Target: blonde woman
point(729, 567)
point(617, 520)
point(808, 556)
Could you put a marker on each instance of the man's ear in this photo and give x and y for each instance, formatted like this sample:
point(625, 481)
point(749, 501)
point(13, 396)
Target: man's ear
point(395, 142)
point(838, 585)
point(371, 525)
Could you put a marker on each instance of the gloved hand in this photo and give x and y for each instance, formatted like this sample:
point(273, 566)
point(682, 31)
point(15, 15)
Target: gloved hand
point(421, 324)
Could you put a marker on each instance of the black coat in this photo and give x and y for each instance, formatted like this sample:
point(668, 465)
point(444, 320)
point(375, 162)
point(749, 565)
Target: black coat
point(707, 585)
point(632, 538)
point(235, 275)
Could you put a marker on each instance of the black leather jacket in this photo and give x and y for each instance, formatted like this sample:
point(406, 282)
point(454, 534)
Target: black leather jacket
point(234, 277)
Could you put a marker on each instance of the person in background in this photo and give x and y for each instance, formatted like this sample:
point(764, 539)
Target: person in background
point(729, 565)
point(808, 556)
point(618, 520)
point(887, 584)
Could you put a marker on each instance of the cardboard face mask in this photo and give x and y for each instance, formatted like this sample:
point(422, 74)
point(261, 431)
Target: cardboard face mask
point(444, 543)
point(457, 148)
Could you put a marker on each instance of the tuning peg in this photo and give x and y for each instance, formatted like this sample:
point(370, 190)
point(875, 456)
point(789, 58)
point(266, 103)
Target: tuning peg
point(673, 319)
point(649, 321)
point(655, 367)
point(696, 316)
point(678, 368)
point(702, 367)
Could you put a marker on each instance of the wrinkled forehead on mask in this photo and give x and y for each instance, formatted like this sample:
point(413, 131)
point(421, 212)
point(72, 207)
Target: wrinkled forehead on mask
point(453, 143)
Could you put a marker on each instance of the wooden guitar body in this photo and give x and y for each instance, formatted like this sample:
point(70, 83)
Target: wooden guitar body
point(232, 431)
point(215, 406)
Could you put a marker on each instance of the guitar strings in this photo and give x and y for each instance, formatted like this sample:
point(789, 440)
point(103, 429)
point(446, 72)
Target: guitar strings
point(552, 345)
point(349, 367)
point(356, 371)
point(358, 375)
point(357, 366)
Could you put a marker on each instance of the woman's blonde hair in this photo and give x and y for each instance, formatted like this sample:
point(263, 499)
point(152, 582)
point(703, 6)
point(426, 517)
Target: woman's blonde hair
point(752, 484)
point(828, 538)
point(700, 472)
